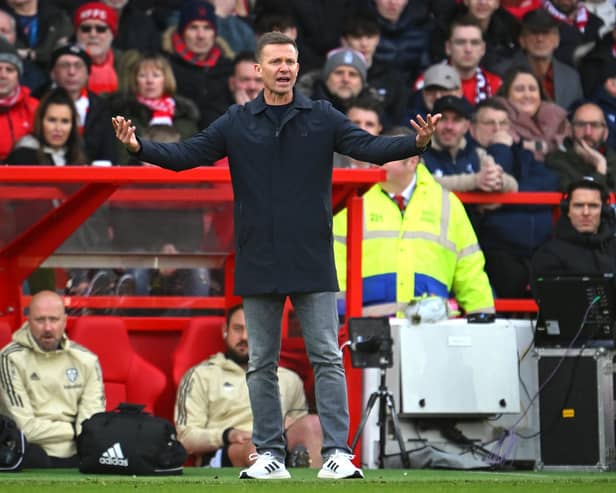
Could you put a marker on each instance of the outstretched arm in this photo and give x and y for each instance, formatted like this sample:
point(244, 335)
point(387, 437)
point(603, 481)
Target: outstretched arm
point(424, 129)
point(125, 133)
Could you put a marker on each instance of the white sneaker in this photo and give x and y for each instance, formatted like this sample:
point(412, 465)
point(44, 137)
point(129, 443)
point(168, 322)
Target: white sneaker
point(339, 466)
point(266, 466)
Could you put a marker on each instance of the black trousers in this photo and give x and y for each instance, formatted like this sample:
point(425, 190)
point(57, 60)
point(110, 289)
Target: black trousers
point(36, 458)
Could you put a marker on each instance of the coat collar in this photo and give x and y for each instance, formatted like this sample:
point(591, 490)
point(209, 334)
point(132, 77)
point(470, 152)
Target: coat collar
point(258, 105)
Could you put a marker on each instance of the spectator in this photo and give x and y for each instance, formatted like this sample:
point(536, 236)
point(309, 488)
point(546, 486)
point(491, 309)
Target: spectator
point(366, 113)
point(579, 29)
point(454, 161)
point(17, 107)
point(70, 69)
point(362, 34)
point(49, 385)
point(40, 27)
point(403, 254)
point(538, 124)
point(465, 48)
point(232, 28)
point(200, 67)
point(438, 80)
point(33, 76)
point(212, 409)
point(510, 234)
point(245, 83)
point(342, 79)
point(406, 28)
point(585, 153)
point(96, 25)
point(539, 38)
point(319, 26)
point(585, 238)
point(592, 65)
point(136, 29)
point(281, 21)
point(500, 31)
point(150, 98)
point(605, 97)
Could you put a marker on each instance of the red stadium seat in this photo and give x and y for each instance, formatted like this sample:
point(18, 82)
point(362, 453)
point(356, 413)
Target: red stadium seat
point(6, 334)
point(201, 338)
point(126, 375)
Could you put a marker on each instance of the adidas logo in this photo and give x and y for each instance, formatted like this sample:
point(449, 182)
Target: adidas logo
point(114, 456)
point(34, 376)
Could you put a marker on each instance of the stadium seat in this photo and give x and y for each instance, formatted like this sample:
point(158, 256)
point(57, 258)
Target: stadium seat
point(126, 375)
point(6, 334)
point(201, 338)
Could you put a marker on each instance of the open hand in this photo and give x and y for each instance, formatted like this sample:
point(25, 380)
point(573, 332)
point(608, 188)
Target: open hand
point(425, 128)
point(125, 133)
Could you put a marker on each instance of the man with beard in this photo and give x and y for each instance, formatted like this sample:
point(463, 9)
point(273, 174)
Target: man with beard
point(586, 152)
point(49, 385)
point(212, 409)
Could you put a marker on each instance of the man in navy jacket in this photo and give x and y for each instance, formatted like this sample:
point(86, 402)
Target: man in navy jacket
point(280, 148)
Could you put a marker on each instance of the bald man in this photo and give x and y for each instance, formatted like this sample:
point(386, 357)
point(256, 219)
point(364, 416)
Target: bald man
point(48, 384)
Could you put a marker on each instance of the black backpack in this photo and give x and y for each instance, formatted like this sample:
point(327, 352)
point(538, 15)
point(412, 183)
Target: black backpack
point(12, 445)
point(128, 440)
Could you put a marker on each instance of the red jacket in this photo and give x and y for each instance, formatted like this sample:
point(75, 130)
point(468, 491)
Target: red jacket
point(16, 121)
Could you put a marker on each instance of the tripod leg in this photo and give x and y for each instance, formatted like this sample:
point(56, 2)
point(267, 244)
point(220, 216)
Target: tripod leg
point(397, 431)
point(364, 418)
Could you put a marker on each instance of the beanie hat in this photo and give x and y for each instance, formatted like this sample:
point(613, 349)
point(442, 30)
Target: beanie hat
point(70, 49)
point(96, 11)
point(345, 56)
point(196, 10)
point(8, 54)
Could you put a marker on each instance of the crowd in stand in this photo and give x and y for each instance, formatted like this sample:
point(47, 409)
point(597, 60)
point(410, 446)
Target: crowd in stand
point(527, 89)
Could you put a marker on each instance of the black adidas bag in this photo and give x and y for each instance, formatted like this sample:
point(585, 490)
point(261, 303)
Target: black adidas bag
point(128, 440)
point(12, 445)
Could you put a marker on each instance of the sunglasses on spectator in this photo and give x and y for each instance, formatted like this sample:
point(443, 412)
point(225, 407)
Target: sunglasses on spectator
point(86, 28)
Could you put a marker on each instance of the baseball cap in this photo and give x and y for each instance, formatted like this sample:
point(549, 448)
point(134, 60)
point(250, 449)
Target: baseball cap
point(453, 103)
point(442, 75)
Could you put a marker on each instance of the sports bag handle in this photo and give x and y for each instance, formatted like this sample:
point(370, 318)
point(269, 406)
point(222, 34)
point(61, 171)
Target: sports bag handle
point(130, 408)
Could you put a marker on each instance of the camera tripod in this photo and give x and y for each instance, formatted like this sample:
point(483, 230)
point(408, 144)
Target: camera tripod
point(386, 401)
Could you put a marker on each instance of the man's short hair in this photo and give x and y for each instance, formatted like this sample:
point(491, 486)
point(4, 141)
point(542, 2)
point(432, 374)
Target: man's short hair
point(358, 26)
point(231, 311)
point(538, 21)
point(273, 38)
point(491, 103)
point(367, 103)
point(465, 20)
point(586, 183)
point(244, 56)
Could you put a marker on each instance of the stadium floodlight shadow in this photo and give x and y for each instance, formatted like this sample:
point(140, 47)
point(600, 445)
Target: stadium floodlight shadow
point(372, 347)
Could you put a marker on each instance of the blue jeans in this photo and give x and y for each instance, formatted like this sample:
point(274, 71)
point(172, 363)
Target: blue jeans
point(318, 317)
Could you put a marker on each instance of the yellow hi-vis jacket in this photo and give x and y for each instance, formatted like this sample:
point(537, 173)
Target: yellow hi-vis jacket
point(431, 249)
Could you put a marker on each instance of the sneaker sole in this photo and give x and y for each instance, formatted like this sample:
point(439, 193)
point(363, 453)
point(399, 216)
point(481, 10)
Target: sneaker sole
point(274, 475)
point(333, 475)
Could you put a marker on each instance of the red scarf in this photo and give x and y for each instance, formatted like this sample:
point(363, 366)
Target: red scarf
point(162, 108)
point(182, 50)
point(11, 99)
point(581, 16)
point(103, 77)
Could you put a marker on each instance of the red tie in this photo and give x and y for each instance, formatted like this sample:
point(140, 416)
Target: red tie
point(399, 199)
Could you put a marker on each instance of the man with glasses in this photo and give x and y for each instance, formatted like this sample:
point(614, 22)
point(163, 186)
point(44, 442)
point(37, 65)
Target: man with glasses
point(586, 152)
point(96, 24)
point(70, 69)
point(509, 234)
